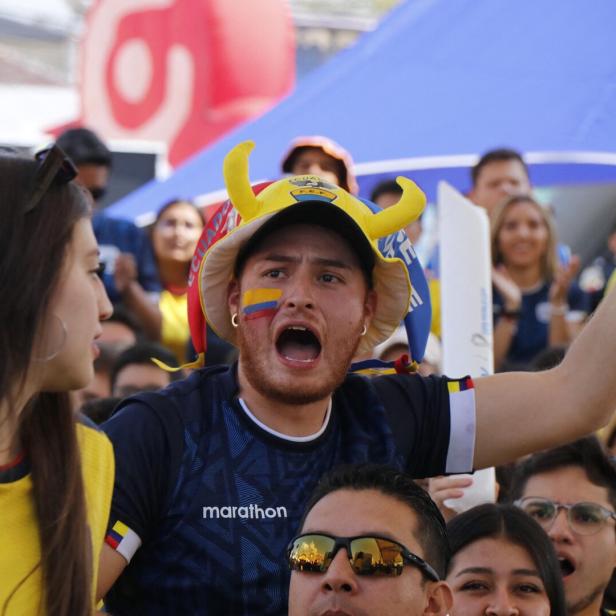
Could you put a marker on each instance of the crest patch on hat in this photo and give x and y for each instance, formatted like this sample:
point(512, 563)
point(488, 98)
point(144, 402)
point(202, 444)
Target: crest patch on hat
point(312, 188)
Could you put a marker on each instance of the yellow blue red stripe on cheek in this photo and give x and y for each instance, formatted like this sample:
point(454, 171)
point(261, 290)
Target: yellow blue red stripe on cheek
point(257, 303)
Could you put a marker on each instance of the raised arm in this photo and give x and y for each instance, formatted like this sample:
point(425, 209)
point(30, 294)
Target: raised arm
point(522, 412)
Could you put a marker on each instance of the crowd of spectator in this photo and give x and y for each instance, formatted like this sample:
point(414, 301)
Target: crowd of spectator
point(198, 453)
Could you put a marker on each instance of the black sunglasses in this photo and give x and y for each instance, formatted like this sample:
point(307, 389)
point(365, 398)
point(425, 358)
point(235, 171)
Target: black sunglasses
point(368, 555)
point(54, 167)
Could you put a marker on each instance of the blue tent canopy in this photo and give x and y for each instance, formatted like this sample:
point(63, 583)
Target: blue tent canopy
point(437, 83)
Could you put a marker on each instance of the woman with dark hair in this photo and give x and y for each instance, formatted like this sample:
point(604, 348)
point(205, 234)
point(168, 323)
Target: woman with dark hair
point(56, 473)
point(502, 563)
point(174, 235)
point(536, 301)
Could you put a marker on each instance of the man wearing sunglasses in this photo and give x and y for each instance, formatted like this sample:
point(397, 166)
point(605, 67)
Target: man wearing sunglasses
point(385, 556)
point(125, 249)
point(571, 492)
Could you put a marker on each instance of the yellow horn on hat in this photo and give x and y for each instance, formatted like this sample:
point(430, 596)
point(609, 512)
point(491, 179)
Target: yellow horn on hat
point(408, 209)
point(237, 180)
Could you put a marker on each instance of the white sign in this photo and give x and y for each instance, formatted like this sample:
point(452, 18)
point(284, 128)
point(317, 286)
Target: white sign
point(466, 308)
point(466, 286)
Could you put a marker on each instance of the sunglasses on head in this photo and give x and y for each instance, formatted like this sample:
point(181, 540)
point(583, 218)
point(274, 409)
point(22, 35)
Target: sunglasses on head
point(97, 192)
point(368, 555)
point(54, 168)
point(584, 518)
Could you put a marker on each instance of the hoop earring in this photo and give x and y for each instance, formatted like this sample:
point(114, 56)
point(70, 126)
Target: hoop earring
point(364, 331)
point(234, 319)
point(62, 343)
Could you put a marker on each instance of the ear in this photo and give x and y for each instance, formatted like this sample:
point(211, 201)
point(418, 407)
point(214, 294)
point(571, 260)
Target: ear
point(233, 296)
point(440, 599)
point(370, 306)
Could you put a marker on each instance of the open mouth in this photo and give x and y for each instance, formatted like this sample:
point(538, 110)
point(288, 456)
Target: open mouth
point(298, 343)
point(566, 566)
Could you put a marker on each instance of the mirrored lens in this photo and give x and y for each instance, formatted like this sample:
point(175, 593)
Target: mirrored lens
point(311, 553)
point(374, 556)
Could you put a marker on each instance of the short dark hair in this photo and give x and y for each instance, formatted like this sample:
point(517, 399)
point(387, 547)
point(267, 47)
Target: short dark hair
point(124, 316)
point(84, 146)
point(430, 532)
point(507, 521)
point(141, 353)
point(586, 453)
point(100, 410)
point(385, 187)
point(547, 358)
point(496, 156)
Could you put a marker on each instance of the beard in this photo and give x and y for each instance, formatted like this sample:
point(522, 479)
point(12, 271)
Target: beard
point(584, 602)
point(263, 377)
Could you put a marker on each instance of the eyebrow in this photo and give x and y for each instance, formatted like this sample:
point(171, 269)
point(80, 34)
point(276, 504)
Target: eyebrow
point(316, 260)
point(474, 570)
point(487, 570)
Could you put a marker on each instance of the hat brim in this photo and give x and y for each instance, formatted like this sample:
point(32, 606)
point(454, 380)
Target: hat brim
point(389, 276)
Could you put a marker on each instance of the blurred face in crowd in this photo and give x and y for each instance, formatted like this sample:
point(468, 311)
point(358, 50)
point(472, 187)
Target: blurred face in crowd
point(176, 233)
point(499, 180)
point(348, 513)
point(68, 344)
point(99, 387)
point(387, 199)
point(301, 352)
point(134, 378)
point(117, 337)
point(314, 161)
point(523, 236)
point(93, 177)
point(495, 576)
point(587, 560)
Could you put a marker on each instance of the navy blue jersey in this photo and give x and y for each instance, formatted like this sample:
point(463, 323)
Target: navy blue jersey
point(531, 336)
point(213, 498)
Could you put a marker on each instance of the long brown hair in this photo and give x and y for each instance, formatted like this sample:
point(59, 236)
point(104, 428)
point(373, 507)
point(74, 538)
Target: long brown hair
point(33, 247)
point(549, 258)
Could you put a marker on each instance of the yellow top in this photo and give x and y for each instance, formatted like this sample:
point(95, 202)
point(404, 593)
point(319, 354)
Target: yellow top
point(175, 332)
point(18, 528)
point(611, 282)
point(434, 285)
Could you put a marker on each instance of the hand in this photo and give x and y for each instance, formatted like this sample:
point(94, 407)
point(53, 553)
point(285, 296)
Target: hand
point(563, 276)
point(125, 271)
point(505, 285)
point(444, 488)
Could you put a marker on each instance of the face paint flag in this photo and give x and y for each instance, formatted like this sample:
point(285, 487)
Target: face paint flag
point(260, 302)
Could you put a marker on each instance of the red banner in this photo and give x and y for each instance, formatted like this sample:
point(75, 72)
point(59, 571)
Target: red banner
point(183, 71)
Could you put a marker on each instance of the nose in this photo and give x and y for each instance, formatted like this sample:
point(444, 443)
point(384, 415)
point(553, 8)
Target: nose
point(339, 577)
point(560, 531)
point(299, 292)
point(105, 307)
point(501, 604)
point(315, 169)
